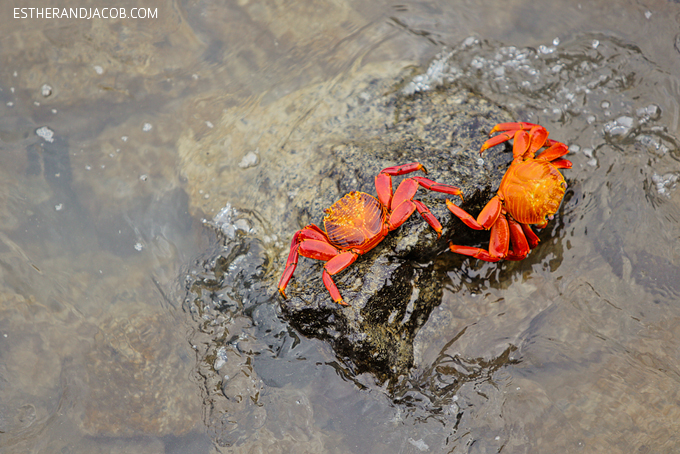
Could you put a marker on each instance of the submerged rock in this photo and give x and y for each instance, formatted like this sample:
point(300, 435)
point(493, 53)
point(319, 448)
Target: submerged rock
point(365, 125)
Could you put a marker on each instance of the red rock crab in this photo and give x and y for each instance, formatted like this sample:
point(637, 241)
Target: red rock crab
point(530, 193)
point(356, 223)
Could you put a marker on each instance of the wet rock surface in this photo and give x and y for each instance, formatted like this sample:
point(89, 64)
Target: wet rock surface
point(393, 288)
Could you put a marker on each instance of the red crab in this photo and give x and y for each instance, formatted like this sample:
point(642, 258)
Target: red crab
point(356, 223)
point(530, 193)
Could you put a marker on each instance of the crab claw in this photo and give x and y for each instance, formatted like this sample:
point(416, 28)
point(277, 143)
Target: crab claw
point(513, 126)
point(509, 130)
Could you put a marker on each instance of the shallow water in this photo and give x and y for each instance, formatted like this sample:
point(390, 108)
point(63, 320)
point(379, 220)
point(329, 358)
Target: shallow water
point(120, 136)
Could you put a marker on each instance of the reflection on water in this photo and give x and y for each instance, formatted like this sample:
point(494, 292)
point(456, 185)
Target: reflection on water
point(120, 329)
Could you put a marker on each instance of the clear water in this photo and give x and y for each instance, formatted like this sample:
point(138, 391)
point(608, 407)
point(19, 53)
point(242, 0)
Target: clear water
point(119, 136)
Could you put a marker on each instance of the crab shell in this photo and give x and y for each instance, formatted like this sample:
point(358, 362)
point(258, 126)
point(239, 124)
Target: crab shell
point(532, 191)
point(356, 222)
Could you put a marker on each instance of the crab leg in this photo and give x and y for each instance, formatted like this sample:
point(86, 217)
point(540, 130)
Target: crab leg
point(520, 245)
point(496, 140)
point(521, 147)
point(406, 209)
point(561, 163)
point(311, 232)
point(401, 213)
point(334, 266)
point(404, 169)
point(407, 189)
point(555, 151)
point(530, 236)
point(526, 144)
point(487, 217)
point(500, 237)
point(402, 205)
point(438, 187)
point(318, 250)
point(383, 181)
point(538, 136)
point(429, 217)
point(509, 130)
point(404, 193)
point(512, 126)
point(498, 244)
point(475, 252)
point(313, 243)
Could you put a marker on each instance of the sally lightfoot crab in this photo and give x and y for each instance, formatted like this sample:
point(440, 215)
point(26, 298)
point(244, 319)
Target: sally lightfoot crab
point(530, 193)
point(356, 223)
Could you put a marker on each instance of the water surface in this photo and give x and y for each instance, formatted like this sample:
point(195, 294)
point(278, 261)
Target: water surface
point(120, 136)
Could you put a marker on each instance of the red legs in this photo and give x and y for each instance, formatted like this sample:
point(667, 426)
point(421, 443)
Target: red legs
point(311, 232)
point(562, 163)
point(554, 154)
point(491, 217)
point(554, 151)
point(512, 126)
point(334, 266)
point(508, 132)
point(520, 245)
point(401, 204)
point(428, 216)
point(312, 242)
point(526, 144)
point(530, 236)
point(498, 243)
point(487, 217)
point(504, 230)
point(530, 143)
point(383, 182)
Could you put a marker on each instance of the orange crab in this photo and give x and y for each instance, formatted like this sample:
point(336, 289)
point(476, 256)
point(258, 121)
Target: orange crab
point(530, 193)
point(356, 223)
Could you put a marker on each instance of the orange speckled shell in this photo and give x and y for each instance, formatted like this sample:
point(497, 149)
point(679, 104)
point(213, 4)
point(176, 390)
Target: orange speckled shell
point(532, 190)
point(356, 221)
